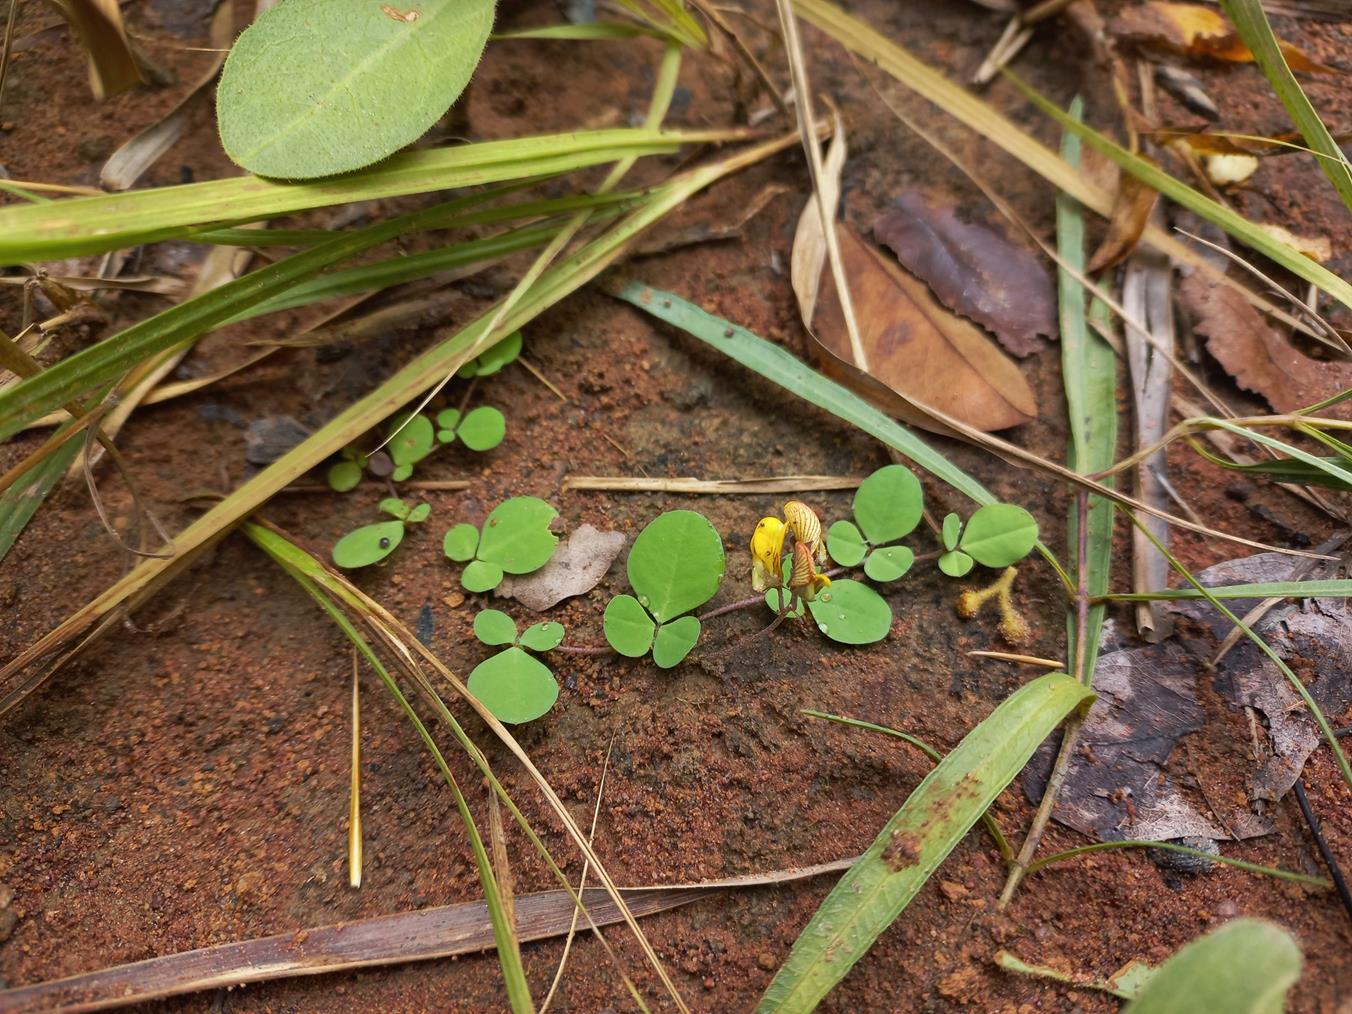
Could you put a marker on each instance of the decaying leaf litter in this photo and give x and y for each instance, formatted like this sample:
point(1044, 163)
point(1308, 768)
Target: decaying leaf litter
point(665, 424)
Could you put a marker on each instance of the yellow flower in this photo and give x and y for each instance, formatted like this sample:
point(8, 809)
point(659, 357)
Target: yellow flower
point(804, 579)
point(806, 527)
point(767, 551)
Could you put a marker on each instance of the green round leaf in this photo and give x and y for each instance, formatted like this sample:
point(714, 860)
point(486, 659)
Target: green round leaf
point(504, 352)
point(448, 418)
point(460, 543)
point(493, 626)
point(401, 472)
point(343, 475)
point(674, 641)
point(542, 636)
point(888, 563)
point(415, 440)
point(483, 428)
point(999, 534)
point(394, 507)
point(851, 613)
point(888, 505)
point(956, 563)
point(952, 529)
point(480, 576)
point(515, 686)
point(629, 628)
point(772, 600)
point(516, 535)
point(676, 564)
point(368, 544)
point(318, 87)
point(845, 543)
point(468, 370)
point(419, 514)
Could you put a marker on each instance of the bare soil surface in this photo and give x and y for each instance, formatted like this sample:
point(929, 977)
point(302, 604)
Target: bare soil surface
point(185, 782)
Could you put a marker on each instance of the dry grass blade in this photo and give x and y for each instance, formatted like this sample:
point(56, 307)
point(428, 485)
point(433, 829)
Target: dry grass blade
point(711, 487)
point(809, 240)
point(426, 934)
point(125, 166)
point(354, 842)
point(113, 64)
point(824, 200)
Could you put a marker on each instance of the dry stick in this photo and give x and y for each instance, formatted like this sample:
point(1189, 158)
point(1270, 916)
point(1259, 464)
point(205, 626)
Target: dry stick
point(807, 129)
point(1015, 37)
point(744, 51)
point(1335, 871)
point(582, 881)
point(1071, 736)
point(1008, 656)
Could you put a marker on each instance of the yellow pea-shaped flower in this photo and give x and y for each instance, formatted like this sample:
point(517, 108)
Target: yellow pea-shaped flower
point(767, 552)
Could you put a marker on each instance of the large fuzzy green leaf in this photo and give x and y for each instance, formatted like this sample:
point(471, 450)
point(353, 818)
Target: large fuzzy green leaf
point(917, 839)
point(320, 87)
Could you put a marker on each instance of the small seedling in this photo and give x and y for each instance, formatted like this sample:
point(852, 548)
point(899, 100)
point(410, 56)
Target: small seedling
point(413, 438)
point(513, 684)
point(346, 474)
point(997, 535)
point(494, 359)
point(887, 507)
point(372, 543)
point(675, 566)
point(479, 429)
point(515, 540)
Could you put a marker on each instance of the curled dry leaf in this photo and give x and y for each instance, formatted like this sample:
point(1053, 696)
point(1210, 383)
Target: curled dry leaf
point(1195, 31)
point(114, 66)
point(918, 352)
point(973, 270)
point(1131, 212)
point(1259, 358)
point(576, 567)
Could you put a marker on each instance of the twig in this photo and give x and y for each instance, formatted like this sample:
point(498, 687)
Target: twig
point(1044, 811)
point(1339, 883)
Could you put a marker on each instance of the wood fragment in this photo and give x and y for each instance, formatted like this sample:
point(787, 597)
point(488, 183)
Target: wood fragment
point(767, 484)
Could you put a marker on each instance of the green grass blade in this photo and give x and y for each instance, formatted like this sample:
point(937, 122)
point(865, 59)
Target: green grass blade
point(1328, 466)
point(85, 225)
point(1330, 589)
point(73, 376)
point(917, 839)
point(777, 365)
point(1168, 846)
point(1251, 22)
point(1089, 374)
point(1245, 967)
point(21, 501)
point(509, 950)
point(1236, 225)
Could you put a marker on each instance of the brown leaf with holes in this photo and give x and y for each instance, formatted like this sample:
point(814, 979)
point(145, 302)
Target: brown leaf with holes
point(916, 348)
point(974, 270)
point(1131, 211)
point(1260, 358)
point(1195, 31)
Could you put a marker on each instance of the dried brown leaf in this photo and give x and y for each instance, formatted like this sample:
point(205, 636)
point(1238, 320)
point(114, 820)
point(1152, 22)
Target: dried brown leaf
point(576, 567)
point(1131, 213)
point(917, 349)
point(113, 64)
point(1259, 358)
point(973, 270)
point(1195, 31)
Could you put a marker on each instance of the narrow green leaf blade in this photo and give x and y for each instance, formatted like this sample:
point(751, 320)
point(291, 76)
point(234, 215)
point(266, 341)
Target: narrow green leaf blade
point(1251, 22)
point(1245, 967)
point(320, 87)
point(777, 365)
point(917, 839)
point(85, 225)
